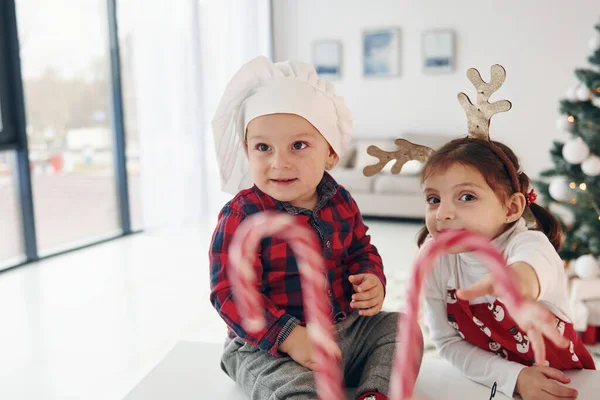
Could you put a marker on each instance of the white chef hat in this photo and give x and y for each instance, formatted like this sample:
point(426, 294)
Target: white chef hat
point(261, 87)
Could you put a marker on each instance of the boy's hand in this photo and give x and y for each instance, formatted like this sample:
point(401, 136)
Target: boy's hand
point(369, 294)
point(298, 347)
point(539, 382)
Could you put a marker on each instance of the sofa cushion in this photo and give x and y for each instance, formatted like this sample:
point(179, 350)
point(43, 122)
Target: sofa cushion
point(411, 168)
point(352, 179)
point(397, 184)
point(363, 159)
point(347, 160)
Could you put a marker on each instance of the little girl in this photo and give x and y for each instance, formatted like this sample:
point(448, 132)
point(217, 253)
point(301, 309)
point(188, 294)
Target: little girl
point(468, 185)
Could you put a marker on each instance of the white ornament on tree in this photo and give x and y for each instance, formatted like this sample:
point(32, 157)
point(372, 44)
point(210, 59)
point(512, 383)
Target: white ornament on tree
point(587, 267)
point(572, 93)
point(596, 101)
point(575, 151)
point(564, 213)
point(559, 189)
point(583, 93)
point(563, 123)
point(594, 43)
point(591, 166)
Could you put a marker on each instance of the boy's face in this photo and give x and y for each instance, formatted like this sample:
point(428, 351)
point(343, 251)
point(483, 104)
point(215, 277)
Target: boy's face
point(288, 157)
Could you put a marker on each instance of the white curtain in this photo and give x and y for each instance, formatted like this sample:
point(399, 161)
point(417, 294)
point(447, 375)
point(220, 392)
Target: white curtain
point(232, 32)
point(184, 52)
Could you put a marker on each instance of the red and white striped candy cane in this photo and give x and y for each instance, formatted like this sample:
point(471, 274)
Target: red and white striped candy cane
point(307, 249)
point(529, 315)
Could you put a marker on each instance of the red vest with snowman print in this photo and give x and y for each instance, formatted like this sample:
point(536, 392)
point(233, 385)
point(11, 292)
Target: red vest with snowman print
point(488, 326)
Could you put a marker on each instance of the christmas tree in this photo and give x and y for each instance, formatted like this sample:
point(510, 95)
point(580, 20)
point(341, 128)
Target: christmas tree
point(572, 188)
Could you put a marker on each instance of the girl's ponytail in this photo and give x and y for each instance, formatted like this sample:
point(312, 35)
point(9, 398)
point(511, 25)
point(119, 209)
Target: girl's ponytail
point(545, 221)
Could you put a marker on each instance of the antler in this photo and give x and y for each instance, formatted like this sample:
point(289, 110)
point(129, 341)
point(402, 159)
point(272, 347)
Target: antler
point(406, 151)
point(479, 115)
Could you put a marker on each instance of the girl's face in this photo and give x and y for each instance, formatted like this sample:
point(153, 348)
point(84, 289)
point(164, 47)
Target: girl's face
point(460, 198)
point(288, 157)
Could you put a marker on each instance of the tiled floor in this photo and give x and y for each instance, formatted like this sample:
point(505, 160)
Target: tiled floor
point(90, 324)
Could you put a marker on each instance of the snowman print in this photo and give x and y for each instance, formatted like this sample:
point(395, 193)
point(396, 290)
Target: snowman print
point(494, 346)
point(497, 310)
point(497, 349)
point(454, 324)
point(560, 325)
point(573, 355)
point(481, 326)
point(522, 341)
point(451, 296)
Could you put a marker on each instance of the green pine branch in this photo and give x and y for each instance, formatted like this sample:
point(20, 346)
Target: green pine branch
point(582, 110)
point(549, 173)
point(588, 77)
point(594, 59)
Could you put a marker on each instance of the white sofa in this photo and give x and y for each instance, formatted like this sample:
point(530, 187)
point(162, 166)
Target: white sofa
point(385, 194)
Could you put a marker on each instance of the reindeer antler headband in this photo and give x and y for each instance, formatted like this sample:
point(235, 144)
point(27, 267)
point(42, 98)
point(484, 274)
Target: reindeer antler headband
point(478, 115)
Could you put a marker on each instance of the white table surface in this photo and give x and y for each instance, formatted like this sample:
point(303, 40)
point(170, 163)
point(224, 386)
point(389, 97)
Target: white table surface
point(190, 371)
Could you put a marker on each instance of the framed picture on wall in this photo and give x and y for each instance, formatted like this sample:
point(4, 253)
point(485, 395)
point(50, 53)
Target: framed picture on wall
point(381, 52)
point(438, 51)
point(327, 58)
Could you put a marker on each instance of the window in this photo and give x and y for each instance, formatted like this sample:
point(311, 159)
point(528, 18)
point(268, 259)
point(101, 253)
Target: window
point(11, 245)
point(126, 20)
point(66, 81)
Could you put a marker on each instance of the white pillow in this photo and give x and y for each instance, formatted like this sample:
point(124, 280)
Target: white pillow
point(411, 167)
point(347, 159)
point(363, 159)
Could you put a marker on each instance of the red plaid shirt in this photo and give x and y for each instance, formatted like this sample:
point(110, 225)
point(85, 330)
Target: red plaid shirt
point(347, 250)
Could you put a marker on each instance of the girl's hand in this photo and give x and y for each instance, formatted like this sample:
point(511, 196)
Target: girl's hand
point(529, 285)
point(539, 382)
point(532, 317)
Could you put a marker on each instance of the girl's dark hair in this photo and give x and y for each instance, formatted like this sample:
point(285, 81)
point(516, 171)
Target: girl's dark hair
point(481, 155)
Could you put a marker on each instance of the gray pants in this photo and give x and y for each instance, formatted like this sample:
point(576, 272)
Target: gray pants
point(367, 345)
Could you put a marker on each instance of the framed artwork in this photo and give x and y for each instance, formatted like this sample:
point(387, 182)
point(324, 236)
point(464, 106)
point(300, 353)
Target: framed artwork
point(438, 51)
point(381, 52)
point(327, 58)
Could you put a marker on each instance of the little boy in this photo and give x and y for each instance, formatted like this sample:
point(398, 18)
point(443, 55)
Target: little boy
point(277, 130)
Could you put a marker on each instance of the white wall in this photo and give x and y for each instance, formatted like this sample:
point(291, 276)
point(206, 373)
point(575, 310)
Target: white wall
point(539, 42)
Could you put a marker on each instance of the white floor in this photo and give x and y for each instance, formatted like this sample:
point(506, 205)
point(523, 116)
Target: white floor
point(91, 324)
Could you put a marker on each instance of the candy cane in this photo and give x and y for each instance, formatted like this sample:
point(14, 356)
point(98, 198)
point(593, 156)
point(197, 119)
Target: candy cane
point(528, 315)
point(307, 249)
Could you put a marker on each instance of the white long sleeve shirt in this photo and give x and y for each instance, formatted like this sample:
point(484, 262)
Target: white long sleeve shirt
point(464, 269)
